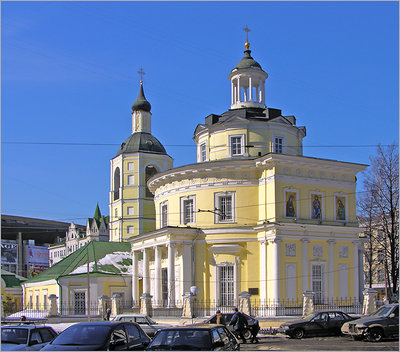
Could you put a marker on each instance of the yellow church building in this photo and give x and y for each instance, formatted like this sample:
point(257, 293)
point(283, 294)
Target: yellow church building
point(252, 214)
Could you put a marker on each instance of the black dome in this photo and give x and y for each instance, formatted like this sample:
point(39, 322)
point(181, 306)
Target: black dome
point(248, 61)
point(141, 103)
point(142, 142)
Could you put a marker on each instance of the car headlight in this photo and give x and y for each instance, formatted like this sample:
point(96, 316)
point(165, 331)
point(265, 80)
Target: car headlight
point(361, 326)
point(284, 327)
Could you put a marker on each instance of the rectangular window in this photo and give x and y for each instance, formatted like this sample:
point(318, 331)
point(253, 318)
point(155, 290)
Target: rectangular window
point(226, 288)
point(129, 210)
point(224, 204)
point(203, 152)
point(236, 145)
point(130, 166)
point(131, 179)
point(164, 214)
point(37, 301)
point(45, 301)
point(130, 229)
point(316, 282)
point(278, 145)
point(187, 210)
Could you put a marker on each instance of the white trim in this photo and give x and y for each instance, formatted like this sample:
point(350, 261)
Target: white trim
point(182, 209)
point(162, 204)
point(203, 144)
point(344, 280)
point(291, 281)
point(279, 136)
point(323, 273)
point(242, 144)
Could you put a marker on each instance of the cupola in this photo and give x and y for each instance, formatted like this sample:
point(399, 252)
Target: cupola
point(247, 81)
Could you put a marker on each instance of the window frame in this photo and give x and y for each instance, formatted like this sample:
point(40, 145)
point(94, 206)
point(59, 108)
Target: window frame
point(192, 219)
point(203, 152)
point(217, 205)
point(242, 144)
point(128, 228)
point(163, 217)
point(282, 146)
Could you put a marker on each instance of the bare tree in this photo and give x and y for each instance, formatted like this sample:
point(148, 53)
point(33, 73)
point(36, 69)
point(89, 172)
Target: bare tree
point(379, 208)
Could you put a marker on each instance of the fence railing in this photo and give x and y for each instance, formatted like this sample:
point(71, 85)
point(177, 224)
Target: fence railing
point(201, 308)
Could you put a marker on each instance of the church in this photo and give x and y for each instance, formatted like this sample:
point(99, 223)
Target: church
point(252, 214)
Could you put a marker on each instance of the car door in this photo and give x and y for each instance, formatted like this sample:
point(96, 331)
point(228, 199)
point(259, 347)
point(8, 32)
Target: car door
point(393, 322)
point(35, 342)
point(118, 339)
point(144, 324)
point(135, 339)
point(47, 335)
point(318, 325)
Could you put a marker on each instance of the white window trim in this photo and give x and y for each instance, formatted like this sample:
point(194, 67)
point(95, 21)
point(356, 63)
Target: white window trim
point(291, 190)
point(216, 206)
point(283, 143)
point(242, 142)
point(322, 199)
point(324, 276)
point(346, 206)
point(129, 211)
point(130, 227)
point(130, 178)
point(130, 166)
point(161, 214)
point(182, 200)
point(235, 279)
point(204, 144)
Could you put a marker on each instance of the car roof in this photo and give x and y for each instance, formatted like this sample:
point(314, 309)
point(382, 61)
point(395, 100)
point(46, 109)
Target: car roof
point(132, 315)
point(102, 323)
point(194, 327)
point(26, 326)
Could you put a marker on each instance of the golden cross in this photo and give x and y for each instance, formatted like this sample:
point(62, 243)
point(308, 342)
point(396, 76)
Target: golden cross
point(141, 73)
point(247, 30)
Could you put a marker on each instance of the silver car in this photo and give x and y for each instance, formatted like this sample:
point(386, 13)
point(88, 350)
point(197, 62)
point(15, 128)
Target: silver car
point(149, 326)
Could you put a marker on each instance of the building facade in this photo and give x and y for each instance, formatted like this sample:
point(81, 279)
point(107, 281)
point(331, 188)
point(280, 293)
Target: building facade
point(97, 229)
point(253, 214)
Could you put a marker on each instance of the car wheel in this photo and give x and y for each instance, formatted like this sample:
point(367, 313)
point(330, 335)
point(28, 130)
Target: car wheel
point(375, 335)
point(247, 334)
point(298, 333)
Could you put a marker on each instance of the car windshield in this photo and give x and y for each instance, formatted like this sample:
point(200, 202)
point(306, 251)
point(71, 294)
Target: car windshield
point(182, 339)
point(14, 335)
point(382, 311)
point(83, 335)
point(309, 316)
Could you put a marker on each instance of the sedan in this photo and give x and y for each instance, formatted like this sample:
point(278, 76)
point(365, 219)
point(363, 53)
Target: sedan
point(100, 336)
point(316, 324)
point(207, 337)
point(24, 337)
point(149, 326)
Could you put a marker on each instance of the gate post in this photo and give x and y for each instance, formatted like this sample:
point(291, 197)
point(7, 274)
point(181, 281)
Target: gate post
point(308, 302)
point(116, 304)
point(146, 307)
point(369, 304)
point(102, 305)
point(244, 302)
point(53, 310)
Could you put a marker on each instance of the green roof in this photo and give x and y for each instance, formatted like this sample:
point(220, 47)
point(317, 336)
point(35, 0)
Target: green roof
point(97, 214)
point(11, 279)
point(105, 258)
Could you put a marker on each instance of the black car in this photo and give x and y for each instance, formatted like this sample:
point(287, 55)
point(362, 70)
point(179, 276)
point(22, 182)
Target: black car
point(316, 324)
point(100, 336)
point(382, 323)
point(206, 337)
point(227, 318)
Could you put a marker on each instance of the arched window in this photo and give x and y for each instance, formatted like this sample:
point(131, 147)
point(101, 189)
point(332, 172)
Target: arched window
point(150, 172)
point(116, 183)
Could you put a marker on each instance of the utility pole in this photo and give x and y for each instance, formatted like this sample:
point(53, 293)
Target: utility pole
point(88, 284)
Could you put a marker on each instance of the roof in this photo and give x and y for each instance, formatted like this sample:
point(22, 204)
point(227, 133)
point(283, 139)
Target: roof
point(11, 279)
point(141, 142)
point(141, 102)
point(105, 259)
point(247, 61)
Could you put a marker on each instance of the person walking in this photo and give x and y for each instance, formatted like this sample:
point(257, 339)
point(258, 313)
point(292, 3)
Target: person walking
point(255, 328)
point(108, 314)
point(239, 323)
point(220, 317)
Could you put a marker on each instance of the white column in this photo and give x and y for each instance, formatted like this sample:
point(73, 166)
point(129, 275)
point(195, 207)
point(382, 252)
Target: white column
point(157, 277)
point(232, 93)
point(146, 273)
point(356, 271)
point(187, 264)
point(238, 90)
point(171, 275)
point(263, 271)
point(250, 89)
point(275, 270)
point(331, 291)
point(135, 280)
point(305, 270)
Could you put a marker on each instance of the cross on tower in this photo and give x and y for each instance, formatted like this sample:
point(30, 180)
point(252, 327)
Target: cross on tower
point(141, 73)
point(247, 30)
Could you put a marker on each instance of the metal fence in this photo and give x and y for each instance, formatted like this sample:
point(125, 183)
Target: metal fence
point(202, 308)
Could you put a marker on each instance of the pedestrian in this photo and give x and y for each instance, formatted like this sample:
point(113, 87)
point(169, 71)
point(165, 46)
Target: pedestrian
point(239, 323)
point(220, 317)
point(108, 313)
point(22, 318)
point(255, 328)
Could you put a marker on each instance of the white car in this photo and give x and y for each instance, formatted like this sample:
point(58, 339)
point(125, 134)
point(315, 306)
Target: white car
point(149, 326)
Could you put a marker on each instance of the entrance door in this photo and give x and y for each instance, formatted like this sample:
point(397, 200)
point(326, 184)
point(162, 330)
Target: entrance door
point(164, 286)
point(80, 303)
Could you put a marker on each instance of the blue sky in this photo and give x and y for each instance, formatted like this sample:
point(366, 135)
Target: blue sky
point(69, 75)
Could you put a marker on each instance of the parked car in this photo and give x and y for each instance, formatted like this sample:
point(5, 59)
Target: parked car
point(384, 322)
point(149, 326)
point(206, 337)
point(25, 337)
point(227, 317)
point(316, 324)
point(100, 336)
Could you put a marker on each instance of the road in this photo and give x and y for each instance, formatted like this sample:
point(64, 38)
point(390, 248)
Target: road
point(337, 343)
